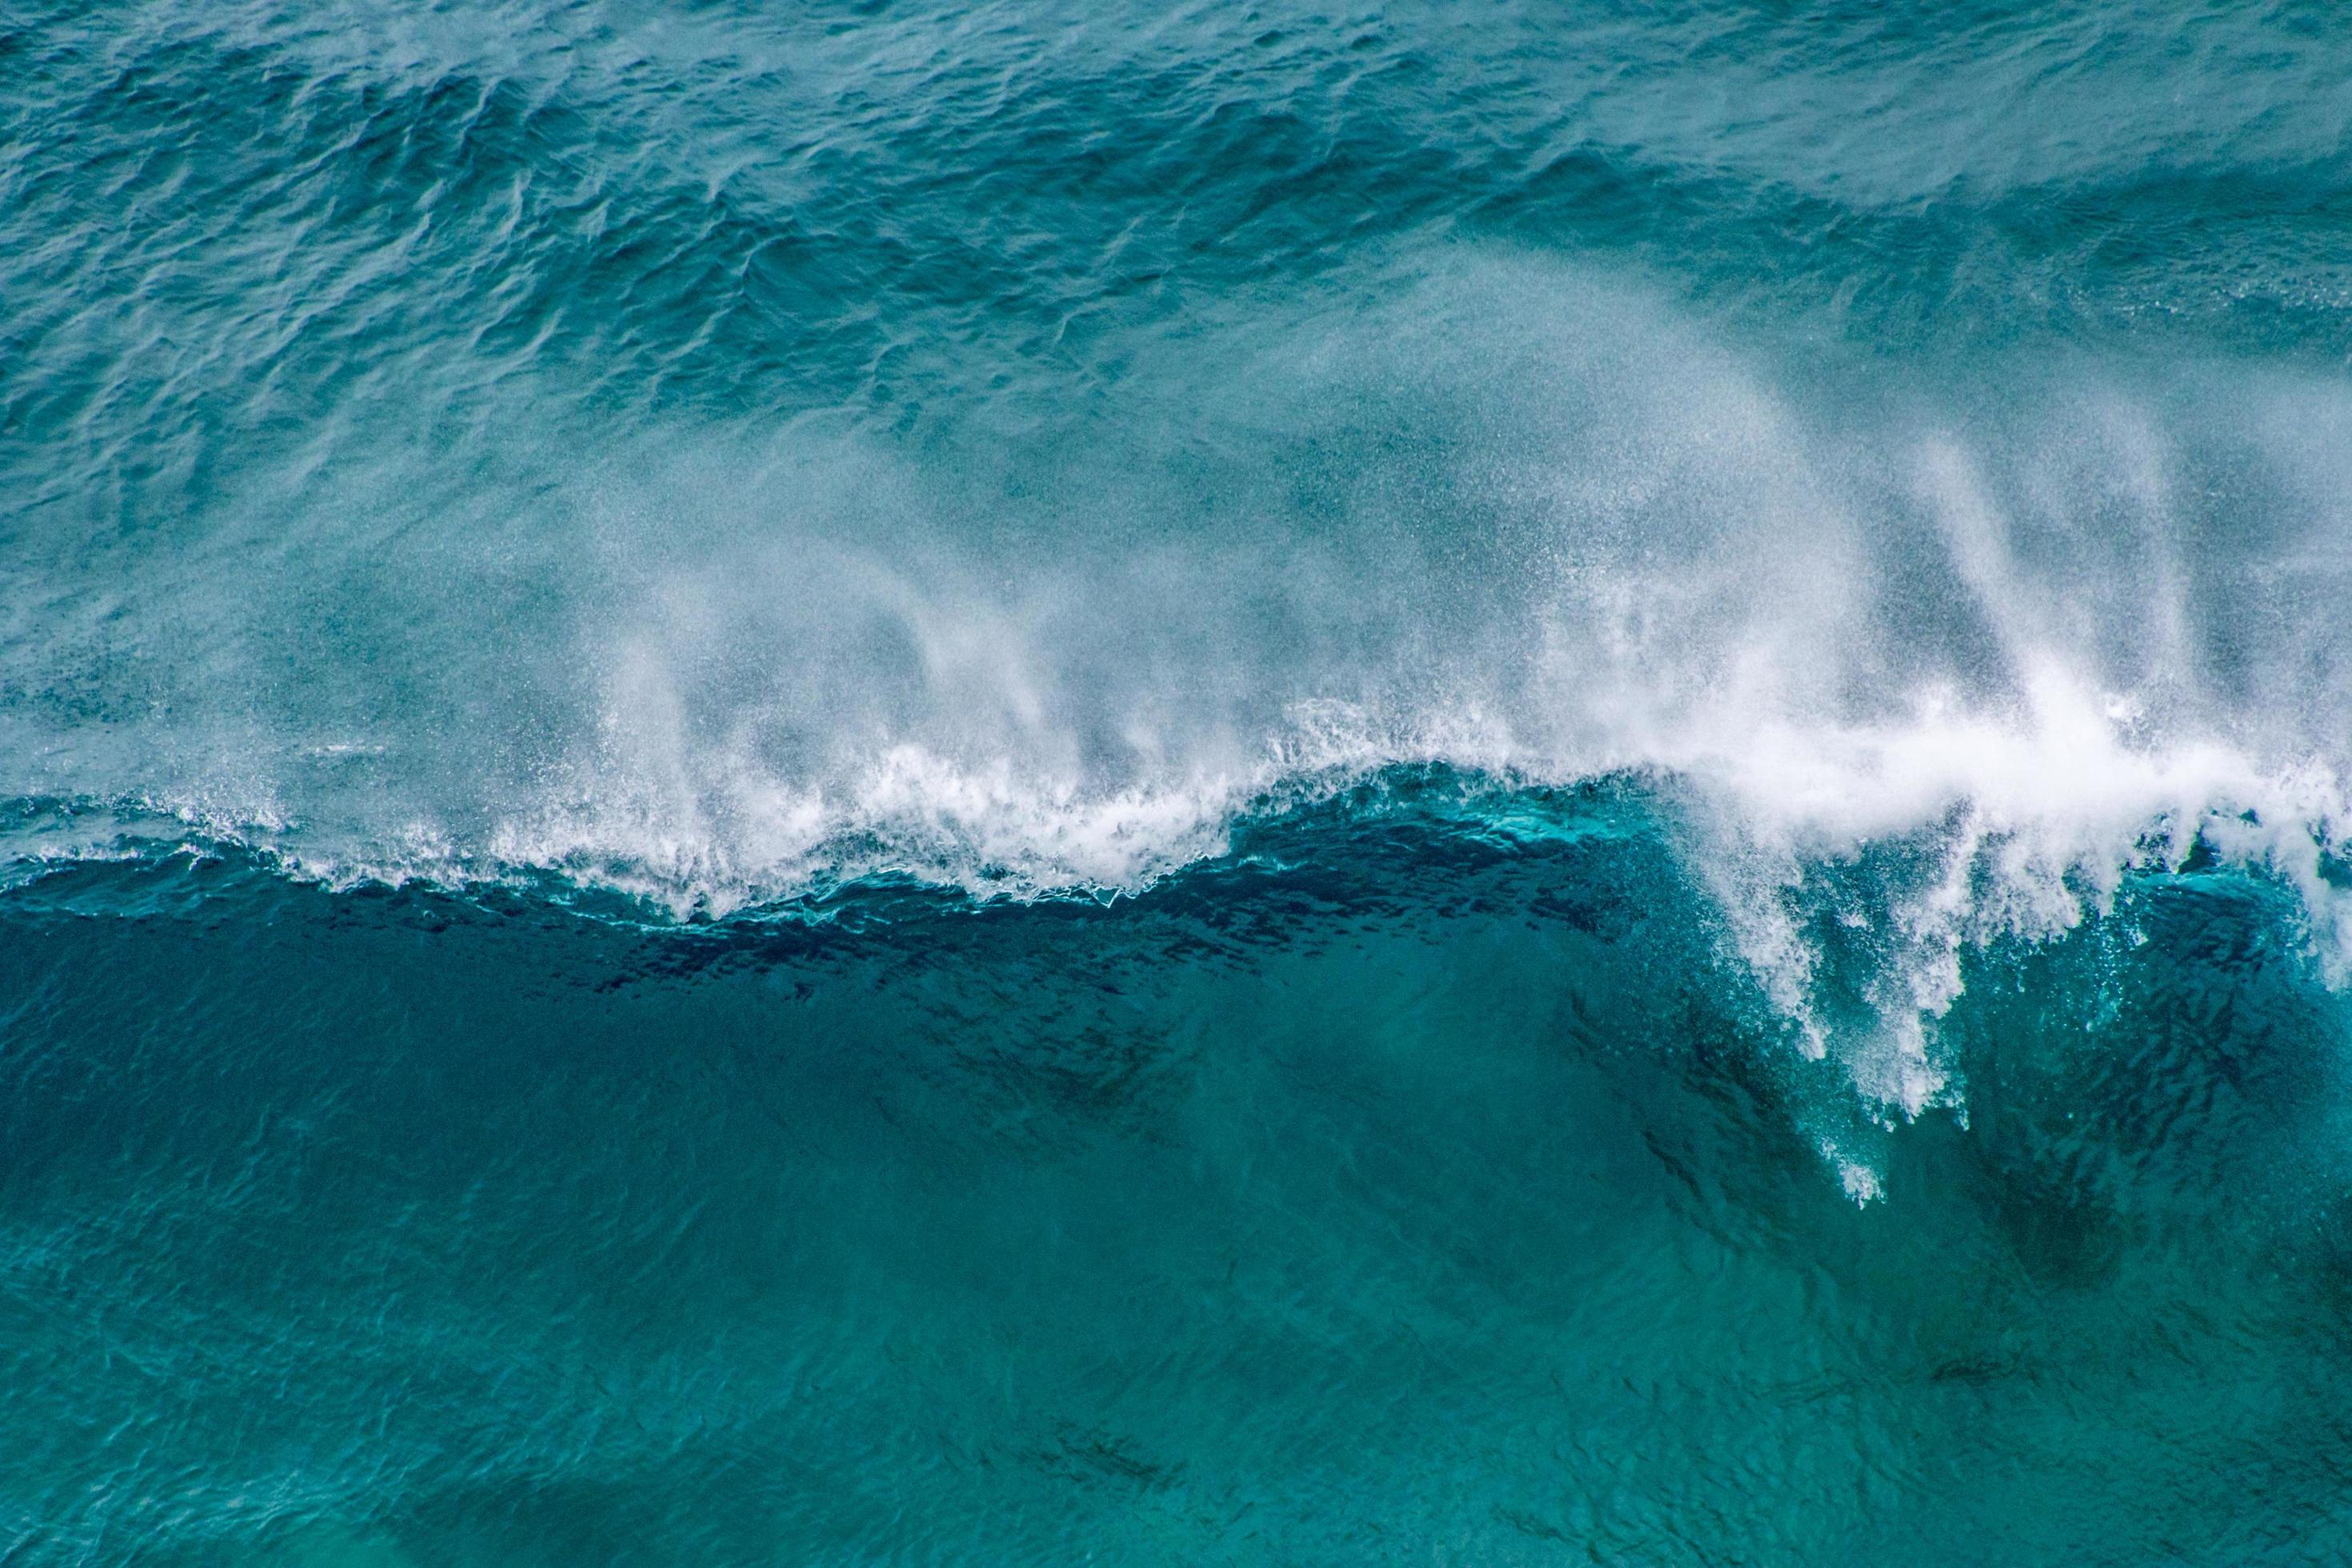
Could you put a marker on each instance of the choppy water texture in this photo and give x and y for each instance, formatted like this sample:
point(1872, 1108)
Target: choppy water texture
point(1022, 784)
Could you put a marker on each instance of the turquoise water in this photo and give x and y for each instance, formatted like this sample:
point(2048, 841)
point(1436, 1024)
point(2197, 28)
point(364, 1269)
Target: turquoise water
point(1026, 783)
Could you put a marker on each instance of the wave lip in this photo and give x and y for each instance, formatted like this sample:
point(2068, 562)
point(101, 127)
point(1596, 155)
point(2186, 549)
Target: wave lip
point(1850, 870)
point(1847, 957)
point(2044, 805)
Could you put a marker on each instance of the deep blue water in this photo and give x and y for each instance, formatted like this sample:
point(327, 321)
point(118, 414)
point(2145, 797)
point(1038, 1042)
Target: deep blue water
point(1459, 783)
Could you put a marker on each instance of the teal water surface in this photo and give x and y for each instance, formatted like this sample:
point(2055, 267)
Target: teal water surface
point(1032, 784)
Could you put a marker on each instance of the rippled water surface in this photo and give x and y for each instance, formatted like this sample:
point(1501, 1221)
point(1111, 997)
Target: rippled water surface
point(1019, 783)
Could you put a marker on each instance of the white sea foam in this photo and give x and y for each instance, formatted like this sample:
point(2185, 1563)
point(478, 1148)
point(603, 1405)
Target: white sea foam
point(1521, 519)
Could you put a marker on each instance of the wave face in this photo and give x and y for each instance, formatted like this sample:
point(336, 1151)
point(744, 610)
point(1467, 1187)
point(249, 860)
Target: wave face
point(1004, 782)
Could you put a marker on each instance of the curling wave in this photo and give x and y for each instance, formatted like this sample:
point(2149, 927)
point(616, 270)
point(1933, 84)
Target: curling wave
point(1025, 782)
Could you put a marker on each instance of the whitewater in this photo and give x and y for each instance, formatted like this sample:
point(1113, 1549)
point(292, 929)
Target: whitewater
point(983, 782)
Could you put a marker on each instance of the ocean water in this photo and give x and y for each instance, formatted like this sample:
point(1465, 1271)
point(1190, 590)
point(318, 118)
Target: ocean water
point(1022, 784)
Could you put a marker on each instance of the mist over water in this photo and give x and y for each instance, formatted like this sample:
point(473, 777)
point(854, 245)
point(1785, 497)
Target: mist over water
point(1008, 783)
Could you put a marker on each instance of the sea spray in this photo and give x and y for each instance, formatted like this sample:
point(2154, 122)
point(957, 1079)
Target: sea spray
point(1019, 783)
